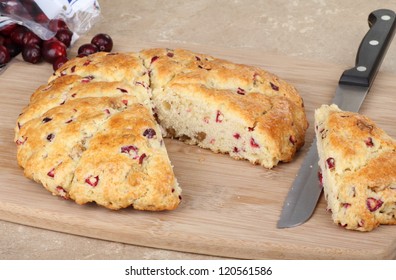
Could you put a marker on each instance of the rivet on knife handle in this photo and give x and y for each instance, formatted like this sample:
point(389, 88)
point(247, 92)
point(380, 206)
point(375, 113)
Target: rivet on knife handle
point(372, 49)
point(353, 87)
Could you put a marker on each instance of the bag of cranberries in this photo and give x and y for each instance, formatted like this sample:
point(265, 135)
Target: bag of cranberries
point(43, 16)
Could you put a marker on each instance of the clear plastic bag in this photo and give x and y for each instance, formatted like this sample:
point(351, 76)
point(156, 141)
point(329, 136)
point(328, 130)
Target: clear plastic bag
point(40, 15)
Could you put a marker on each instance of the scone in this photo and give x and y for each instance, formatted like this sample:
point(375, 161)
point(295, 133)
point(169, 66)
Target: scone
point(94, 139)
point(94, 133)
point(358, 169)
point(226, 107)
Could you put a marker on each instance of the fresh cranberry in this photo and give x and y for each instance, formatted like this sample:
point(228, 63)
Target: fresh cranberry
point(52, 50)
point(31, 38)
point(32, 53)
point(149, 133)
point(4, 55)
point(103, 42)
point(92, 181)
point(57, 24)
point(7, 29)
point(65, 36)
point(330, 163)
point(12, 48)
point(18, 34)
point(373, 204)
point(41, 18)
point(87, 49)
point(58, 63)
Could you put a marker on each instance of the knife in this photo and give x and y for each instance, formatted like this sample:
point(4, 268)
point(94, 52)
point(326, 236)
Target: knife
point(352, 89)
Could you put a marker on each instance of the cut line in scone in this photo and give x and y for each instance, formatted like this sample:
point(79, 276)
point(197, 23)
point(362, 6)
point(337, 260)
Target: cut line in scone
point(357, 160)
point(94, 132)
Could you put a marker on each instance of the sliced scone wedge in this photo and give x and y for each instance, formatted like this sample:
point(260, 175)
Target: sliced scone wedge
point(357, 160)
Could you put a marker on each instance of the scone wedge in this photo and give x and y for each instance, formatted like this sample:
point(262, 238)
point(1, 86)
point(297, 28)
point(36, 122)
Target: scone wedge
point(357, 160)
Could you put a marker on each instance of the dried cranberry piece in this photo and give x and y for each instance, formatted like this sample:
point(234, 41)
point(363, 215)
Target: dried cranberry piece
point(241, 91)
point(87, 62)
point(92, 181)
point(330, 163)
point(292, 139)
point(369, 142)
point(125, 102)
point(253, 143)
point(373, 204)
point(21, 142)
point(274, 87)
point(320, 176)
point(154, 58)
point(345, 205)
point(73, 69)
point(51, 173)
point(149, 133)
point(236, 135)
point(50, 137)
point(219, 116)
point(141, 158)
point(47, 119)
point(236, 150)
point(170, 54)
point(62, 192)
point(129, 149)
point(122, 90)
point(87, 79)
point(107, 111)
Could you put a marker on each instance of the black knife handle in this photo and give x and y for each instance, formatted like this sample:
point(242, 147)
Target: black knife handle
point(372, 49)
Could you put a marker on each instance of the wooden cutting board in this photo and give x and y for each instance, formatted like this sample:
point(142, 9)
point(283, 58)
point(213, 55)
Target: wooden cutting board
point(230, 208)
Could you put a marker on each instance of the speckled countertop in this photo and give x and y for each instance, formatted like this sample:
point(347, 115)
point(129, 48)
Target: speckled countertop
point(294, 28)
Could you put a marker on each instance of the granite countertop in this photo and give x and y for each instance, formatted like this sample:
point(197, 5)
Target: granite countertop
point(296, 28)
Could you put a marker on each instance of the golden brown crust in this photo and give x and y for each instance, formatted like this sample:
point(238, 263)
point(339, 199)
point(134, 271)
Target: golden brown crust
point(358, 162)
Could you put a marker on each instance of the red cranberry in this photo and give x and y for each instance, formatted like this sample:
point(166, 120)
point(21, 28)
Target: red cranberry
point(330, 163)
point(274, 87)
point(2, 39)
point(141, 158)
point(31, 38)
point(92, 181)
point(345, 205)
point(32, 53)
point(12, 48)
point(4, 55)
point(87, 49)
point(59, 61)
point(154, 58)
point(52, 50)
point(103, 42)
point(241, 91)
point(62, 192)
point(65, 36)
point(292, 139)
point(57, 24)
point(7, 29)
point(149, 133)
point(253, 143)
point(369, 142)
point(18, 34)
point(373, 204)
point(122, 90)
point(130, 150)
point(320, 176)
point(50, 137)
point(41, 18)
point(51, 173)
point(219, 116)
point(236, 135)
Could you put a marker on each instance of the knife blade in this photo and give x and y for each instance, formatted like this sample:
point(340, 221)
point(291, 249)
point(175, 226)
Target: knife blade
point(353, 86)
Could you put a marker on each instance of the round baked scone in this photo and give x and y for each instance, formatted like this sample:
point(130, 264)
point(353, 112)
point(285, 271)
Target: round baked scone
point(358, 169)
point(94, 133)
point(226, 107)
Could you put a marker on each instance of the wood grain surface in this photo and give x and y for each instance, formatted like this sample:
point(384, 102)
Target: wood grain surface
point(229, 208)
